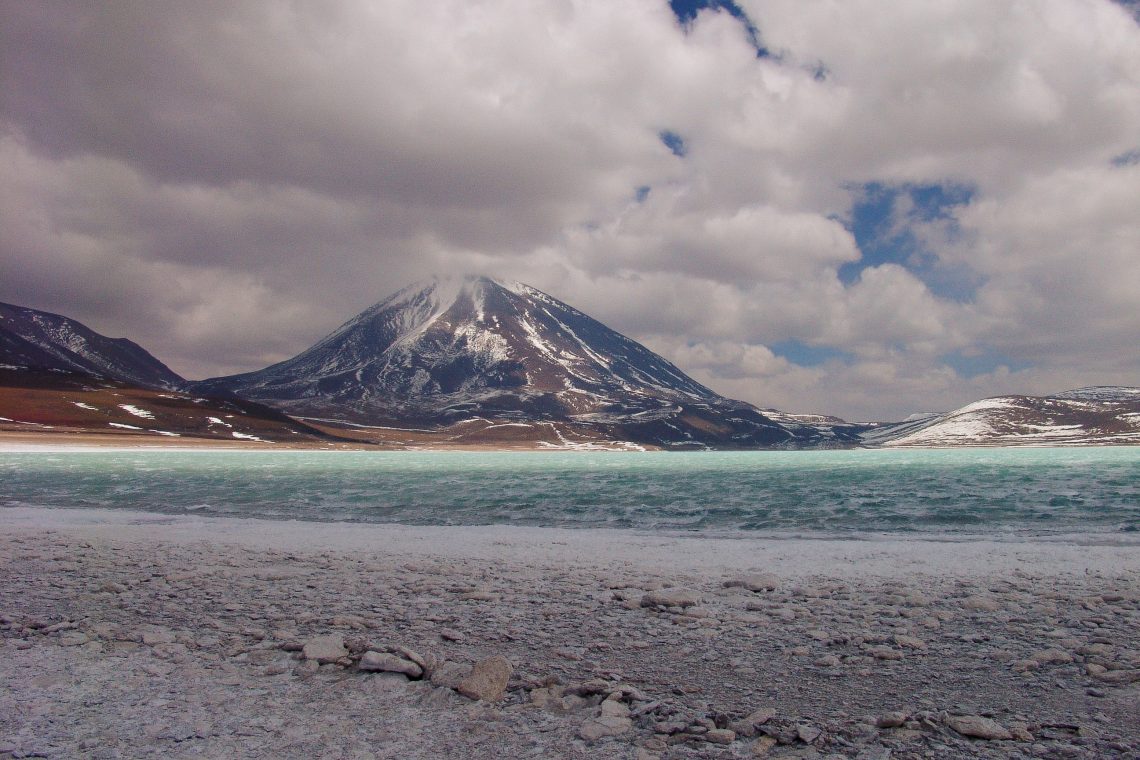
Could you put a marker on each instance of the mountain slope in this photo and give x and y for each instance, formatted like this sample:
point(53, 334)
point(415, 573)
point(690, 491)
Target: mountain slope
point(453, 349)
point(1086, 416)
point(41, 340)
point(57, 402)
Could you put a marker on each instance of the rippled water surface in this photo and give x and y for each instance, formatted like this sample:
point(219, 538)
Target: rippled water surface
point(961, 492)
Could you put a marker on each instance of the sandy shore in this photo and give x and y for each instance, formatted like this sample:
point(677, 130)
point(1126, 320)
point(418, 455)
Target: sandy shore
point(136, 635)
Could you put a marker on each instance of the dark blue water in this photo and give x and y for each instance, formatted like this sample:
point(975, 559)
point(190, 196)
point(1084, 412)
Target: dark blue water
point(1030, 492)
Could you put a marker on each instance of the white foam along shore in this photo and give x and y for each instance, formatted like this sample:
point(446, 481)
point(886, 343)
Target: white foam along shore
point(591, 549)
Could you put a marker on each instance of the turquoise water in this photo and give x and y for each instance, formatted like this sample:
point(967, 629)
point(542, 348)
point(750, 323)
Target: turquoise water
point(961, 492)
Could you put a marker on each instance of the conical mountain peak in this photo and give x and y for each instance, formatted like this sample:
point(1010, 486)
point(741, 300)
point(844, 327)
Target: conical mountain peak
point(457, 348)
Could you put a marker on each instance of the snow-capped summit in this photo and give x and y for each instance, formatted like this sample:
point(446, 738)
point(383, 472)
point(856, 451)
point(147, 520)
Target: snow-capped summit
point(455, 348)
point(33, 339)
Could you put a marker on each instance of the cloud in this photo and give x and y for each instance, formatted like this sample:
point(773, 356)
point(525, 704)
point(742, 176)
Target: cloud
point(226, 181)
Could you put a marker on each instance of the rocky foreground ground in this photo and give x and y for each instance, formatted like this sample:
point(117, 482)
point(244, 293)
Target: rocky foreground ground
point(114, 645)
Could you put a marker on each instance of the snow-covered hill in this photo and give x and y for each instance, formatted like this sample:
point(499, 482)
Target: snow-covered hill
point(455, 349)
point(1086, 416)
point(44, 341)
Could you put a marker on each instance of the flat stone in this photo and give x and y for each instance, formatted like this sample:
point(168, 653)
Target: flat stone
point(671, 597)
point(597, 728)
point(450, 674)
point(979, 603)
point(978, 727)
point(755, 582)
point(762, 746)
point(892, 719)
point(1118, 677)
point(612, 708)
point(1052, 657)
point(720, 736)
point(808, 734)
point(382, 662)
point(323, 649)
point(155, 636)
point(488, 680)
point(910, 642)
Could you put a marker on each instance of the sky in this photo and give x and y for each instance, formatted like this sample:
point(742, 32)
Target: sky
point(853, 208)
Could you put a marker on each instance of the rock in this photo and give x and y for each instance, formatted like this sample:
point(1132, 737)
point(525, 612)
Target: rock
point(111, 587)
point(979, 603)
point(746, 726)
point(1118, 677)
point(720, 736)
point(155, 636)
point(755, 583)
point(450, 674)
point(73, 639)
point(762, 746)
point(1052, 657)
point(827, 661)
point(892, 719)
point(612, 708)
point(488, 680)
point(378, 662)
point(306, 668)
point(885, 653)
point(323, 649)
point(978, 727)
point(808, 734)
point(671, 597)
point(480, 596)
point(597, 728)
point(416, 657)
point(910, 642)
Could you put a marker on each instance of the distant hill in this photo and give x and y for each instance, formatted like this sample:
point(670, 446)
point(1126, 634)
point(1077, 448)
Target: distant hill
point(32, 339)
point(1104, 415)
point(59, 376)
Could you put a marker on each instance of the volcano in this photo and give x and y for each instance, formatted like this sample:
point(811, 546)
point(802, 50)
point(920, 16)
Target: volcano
point(451, 350)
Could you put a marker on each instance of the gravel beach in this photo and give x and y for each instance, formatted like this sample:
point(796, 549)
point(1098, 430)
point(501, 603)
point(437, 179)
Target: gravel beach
point(134, 635)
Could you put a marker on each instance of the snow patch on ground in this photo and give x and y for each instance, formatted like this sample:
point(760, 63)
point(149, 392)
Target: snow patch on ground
point(81, 405)
point(130, 409)
point(124, 426)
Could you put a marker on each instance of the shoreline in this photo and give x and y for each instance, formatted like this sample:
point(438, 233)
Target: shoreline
point(33, 442)
point(130, 634)
point(792, 556)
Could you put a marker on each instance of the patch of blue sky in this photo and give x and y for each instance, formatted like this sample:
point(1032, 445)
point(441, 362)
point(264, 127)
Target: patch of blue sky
point(885, 221)
point(674, 142)
point(984, 362)
point(798, 352)
point(642, 193)
point(1130, 158)
point(1132, 5)
point(687, 10)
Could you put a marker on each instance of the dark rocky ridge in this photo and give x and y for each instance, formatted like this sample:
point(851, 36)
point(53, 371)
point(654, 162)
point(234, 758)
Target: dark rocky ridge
point(40, 340)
